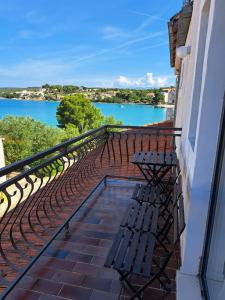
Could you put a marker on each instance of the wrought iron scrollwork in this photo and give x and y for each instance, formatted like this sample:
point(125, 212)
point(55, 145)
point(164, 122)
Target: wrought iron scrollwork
point(37, 200)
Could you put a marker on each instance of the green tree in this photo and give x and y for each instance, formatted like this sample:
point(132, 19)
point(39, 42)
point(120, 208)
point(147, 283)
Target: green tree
point(69, 89)
point(158, 97)
point(111, 121)
point(80, 112)
point(25, 136)
point(77, 114)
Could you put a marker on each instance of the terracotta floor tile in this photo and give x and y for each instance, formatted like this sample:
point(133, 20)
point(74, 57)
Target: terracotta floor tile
point(73, 265)
point(86, 269)
point(58, 253)
point(40, 285)
point(75, 292)
point(97, 283)
point(21, 294)
point(48, 297)
point(155, 294)
point(98, 261)
point(100, 295)
point(56, 263)
point(68, 277)
point(80, 257)
point(41, 271)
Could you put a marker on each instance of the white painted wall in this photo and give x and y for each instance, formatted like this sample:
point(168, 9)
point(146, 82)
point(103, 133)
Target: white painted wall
point(203, 83)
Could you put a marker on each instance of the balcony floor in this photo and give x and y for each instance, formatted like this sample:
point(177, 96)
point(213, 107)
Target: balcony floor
point(72, 267)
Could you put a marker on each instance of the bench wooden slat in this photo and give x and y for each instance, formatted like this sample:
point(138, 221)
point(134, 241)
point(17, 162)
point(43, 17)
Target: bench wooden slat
point(147, 218)
point(149, 255)
point(147, 195)
point(142, 192)
point(123, 249)
point(114, 249)
point(131, 252)
point(136, 191)
point(126, 216)
point(140, 217)
point(154, 222)
point(133, 216)
point(140, 254)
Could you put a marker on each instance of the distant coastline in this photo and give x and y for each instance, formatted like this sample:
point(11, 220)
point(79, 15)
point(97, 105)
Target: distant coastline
point(45, 111)
point(58, 101)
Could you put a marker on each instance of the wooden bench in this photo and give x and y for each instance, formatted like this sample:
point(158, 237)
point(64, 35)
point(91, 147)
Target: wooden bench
point(140, 234)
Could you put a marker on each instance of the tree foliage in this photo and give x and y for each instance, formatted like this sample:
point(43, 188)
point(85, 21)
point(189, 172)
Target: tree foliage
point(158, 97)
point(24, 137)
point(77, 111)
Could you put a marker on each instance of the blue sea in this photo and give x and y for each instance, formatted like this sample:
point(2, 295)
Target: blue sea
point(45, 111)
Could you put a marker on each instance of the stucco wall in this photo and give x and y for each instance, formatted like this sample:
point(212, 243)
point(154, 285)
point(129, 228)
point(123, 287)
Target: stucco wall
point(197, 161)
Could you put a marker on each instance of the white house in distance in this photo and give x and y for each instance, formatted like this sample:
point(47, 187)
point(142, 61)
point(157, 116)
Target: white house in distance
point(197, 49)
point(169, 95)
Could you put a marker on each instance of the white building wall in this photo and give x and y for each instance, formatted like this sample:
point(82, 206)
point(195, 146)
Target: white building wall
point(198, 162)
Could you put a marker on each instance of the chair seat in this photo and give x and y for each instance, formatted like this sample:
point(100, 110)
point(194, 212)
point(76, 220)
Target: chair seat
point(141, 217)
point(149, 193)
point(132, 252)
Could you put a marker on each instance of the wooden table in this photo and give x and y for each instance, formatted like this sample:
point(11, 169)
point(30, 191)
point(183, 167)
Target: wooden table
point(155, 165)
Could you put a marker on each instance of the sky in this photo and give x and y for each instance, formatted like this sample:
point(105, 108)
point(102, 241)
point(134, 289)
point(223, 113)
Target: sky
point(102, 43)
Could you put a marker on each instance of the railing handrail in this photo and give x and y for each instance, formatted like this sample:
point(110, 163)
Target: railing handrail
point(149, 127)
point(23, 162)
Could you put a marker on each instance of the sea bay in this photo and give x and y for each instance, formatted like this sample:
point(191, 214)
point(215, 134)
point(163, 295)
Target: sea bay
point(45, 111)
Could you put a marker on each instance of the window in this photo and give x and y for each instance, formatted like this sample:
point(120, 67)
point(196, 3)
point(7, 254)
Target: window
point(198, 75)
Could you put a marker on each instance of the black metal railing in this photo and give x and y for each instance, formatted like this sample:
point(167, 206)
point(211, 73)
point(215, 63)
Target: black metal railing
point(48, 187)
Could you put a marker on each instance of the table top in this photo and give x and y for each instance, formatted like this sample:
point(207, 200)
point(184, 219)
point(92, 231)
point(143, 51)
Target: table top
point(155, 158)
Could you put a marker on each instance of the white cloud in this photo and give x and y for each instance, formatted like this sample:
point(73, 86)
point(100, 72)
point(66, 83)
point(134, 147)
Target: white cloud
point(148, 81)
point(123, 80)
